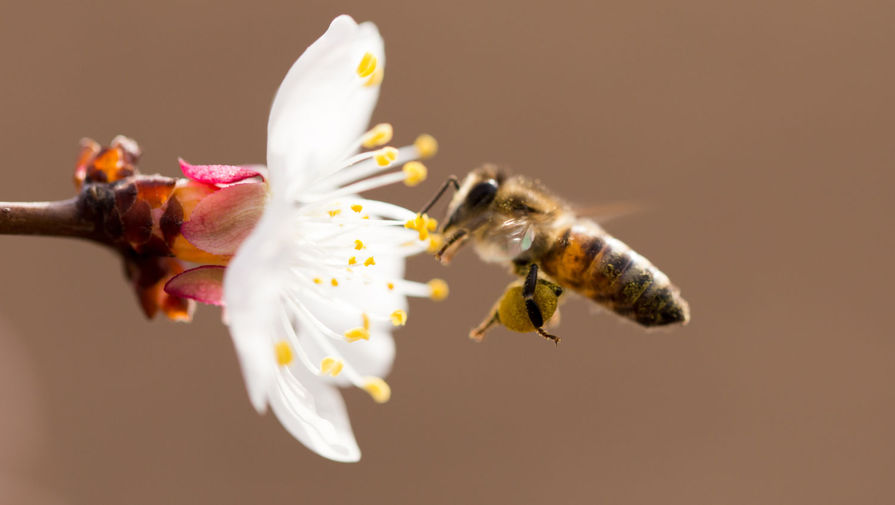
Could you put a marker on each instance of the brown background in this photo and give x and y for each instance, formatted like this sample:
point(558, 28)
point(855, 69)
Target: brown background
point(759, 136)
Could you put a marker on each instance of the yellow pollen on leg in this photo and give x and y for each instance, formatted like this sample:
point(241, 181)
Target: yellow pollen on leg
point(426, 145)
point(414, 173)
point(283, 353)
point(352, 260)
point(358, 244)
point(378, 389)
point(369, 262)
point(367, 65)
point(331, 366)
point(385, 156)
point(379, 135)
point(438, 289)
point(357, 208)
point(399, 317)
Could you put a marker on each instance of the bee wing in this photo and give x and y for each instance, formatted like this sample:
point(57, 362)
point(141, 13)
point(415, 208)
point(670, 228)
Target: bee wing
point(602, 213)
point(519, 233)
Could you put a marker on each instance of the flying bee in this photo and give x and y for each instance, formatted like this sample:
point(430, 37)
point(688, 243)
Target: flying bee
point(515, 221)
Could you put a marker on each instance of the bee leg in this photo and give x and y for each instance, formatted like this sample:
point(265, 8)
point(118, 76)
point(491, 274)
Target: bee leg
point(534, 312)
point(442, 256)
point(478, 333)
point(548, 336)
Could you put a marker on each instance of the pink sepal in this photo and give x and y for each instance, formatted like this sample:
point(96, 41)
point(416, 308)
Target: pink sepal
point(223, 219)
point(220, 174)
point(204, 284)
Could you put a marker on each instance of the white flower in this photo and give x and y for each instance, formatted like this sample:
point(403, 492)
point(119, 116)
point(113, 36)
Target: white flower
point(313, 292)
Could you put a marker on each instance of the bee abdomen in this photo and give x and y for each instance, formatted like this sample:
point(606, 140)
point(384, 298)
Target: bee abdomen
point(604, 269)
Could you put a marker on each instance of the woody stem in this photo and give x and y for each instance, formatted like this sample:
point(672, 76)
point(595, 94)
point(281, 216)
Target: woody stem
point(64, 218)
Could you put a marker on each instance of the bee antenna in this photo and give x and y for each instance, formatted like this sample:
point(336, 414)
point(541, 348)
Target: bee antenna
point(452, 180)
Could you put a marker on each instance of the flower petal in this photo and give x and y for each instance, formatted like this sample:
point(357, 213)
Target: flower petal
point(204, 284)
point(219, 174)
point(322, 106)
point(223, 219)
point(314, 413)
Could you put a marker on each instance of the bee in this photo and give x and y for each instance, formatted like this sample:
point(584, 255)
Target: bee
point(515, 221)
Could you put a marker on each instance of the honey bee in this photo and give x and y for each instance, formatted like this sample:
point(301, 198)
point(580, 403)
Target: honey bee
point(515, 221)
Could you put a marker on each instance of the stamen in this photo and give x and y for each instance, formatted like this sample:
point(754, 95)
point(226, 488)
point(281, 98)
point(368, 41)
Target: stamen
point(358, 244)
point(367, 65)
point(391, 286)
point(438, 289)
point(318, 280)
point(426, 145)
point(378, 389)
point(399, 318)
point(334, 213)
point(352, 260)
point(357, 208)
point(379, 135)
point(283, 352)
point(414, 173)
point(385, 156)
point(355, 334)
point(376, 78)
point(331, 366)
point(423, 224)
point(334, 282)
point(436, 240)
point(369, 262)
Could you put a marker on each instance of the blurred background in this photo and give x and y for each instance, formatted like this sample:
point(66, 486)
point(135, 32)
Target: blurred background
point(758, 137)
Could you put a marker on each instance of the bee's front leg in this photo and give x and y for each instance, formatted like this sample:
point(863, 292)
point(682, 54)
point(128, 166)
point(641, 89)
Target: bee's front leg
point(478, 333)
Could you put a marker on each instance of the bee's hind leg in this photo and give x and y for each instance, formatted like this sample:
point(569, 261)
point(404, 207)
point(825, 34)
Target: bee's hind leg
point(534, 312)
point(478, 333)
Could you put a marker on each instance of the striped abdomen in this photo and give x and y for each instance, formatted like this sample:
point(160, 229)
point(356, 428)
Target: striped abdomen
point(593, 263)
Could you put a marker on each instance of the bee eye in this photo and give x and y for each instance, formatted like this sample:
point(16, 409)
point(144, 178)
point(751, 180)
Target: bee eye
point(482, 193)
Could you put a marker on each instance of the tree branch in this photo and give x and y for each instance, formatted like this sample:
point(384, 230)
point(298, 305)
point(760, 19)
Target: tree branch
point(58, 219)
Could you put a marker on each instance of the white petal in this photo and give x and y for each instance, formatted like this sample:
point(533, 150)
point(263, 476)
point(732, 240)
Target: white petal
point(322, 106)
point(314, 413)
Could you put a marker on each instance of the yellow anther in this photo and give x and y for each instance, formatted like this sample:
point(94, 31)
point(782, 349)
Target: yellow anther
point(378, 389)
point(358, 244)
point(391, 286)
point(355, 334)
point(334, 282)
point(436, 240)
point(318, 280)
point(352, 260)
point(414, 173)
point(334, 212)
point(366, 217)
point(438, 289)
point(357, 208)
point(367, 65)
point(379, 135)
point(366, 320)
point(376, 78)
point(369, 262)
point(399, 317)
point(283, 352)
point(426, 145)
point(331, 366)
point(423, 224)
point(385, 156)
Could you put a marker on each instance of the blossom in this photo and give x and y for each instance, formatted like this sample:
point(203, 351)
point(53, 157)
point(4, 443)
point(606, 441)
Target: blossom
point(315, 288)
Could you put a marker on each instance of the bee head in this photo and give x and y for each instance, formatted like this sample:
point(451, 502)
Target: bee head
point(468, 209)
